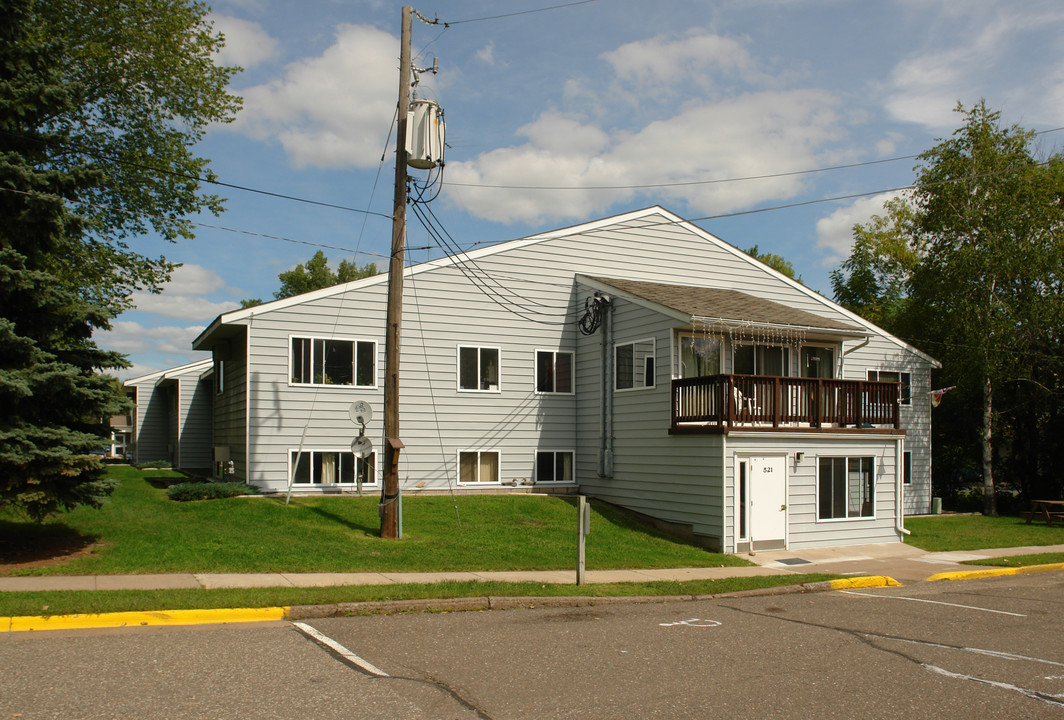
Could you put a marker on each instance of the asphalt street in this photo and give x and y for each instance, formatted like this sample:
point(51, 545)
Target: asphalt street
point(992, 647)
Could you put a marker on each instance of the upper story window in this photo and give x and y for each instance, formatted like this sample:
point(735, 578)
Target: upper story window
point(699, 356)
point(634, 363)
point(478, 368)
point(893, 376)
point(320, 361)
point(219, 377)
point(554, 372)
point(771, 360)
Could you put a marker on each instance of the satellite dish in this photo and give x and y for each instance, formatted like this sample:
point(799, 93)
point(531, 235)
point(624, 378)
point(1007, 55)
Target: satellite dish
point(362, 446)
point(361, 412)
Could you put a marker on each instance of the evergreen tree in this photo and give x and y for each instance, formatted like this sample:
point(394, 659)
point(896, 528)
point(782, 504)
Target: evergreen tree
point(52, 402)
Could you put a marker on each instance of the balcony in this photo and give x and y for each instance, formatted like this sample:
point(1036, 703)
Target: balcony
point(722, 403)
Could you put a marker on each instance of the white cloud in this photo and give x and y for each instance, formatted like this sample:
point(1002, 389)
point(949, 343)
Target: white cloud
point(131, 337)
point(486, 54)
point(182, 297)
point(925, 88)
point(835, 232)
point(332, 110)
point(751, 134)
point(659, 63)
point(247, 44)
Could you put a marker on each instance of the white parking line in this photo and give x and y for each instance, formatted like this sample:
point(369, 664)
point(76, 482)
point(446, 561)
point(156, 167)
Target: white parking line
point(933, 602)
point(340, 649)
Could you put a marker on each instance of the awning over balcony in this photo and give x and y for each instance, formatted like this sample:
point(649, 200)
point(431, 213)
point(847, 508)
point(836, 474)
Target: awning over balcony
point(727, 310)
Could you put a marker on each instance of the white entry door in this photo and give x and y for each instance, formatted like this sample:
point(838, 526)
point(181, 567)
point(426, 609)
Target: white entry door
point(768, 501)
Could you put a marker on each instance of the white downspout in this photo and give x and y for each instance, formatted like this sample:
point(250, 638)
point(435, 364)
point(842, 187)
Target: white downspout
point(899, 484)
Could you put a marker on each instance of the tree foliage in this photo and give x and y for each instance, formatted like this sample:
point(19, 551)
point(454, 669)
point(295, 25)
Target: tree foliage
point(95, 99)
point(971, 267)
point(316, 274)
point(774, 261)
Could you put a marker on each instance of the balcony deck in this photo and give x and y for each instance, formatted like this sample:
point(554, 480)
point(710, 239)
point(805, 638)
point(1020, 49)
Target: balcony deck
point(725, 403)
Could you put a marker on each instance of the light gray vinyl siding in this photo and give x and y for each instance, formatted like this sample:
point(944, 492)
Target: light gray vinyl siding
point(803, 527)
point(879, 354)
point(230, 416)
point(675, 478)
point(518, 298)
point(195, 422)
point(152, 423)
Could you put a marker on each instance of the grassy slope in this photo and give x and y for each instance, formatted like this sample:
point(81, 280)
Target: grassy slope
point(141, 531)
point(941, 533)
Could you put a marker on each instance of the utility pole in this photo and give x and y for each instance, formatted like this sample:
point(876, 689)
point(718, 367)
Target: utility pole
point(389, 507)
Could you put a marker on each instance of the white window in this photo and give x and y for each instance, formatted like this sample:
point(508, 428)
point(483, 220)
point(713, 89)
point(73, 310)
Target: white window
point(699, 356)
point(554, 372)
point(846, 488)
point(898, 377)
point(332, 467)
point(478, 467)
point(219, 377)
point(322, 361)
point(554, 466)
point(478, 368)
point(634, 364)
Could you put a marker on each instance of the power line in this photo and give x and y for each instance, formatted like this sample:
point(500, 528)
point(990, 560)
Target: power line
point(437, 21)
point(717, 181)
point(197, 178)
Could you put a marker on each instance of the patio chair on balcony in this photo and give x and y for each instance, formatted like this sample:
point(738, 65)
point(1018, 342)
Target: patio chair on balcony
point(745, 409)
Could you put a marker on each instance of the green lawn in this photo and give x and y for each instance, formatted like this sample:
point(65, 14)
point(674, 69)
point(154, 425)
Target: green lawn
point(939, 533)
point(1021, 560)
point(142, 531)
point(14, 604)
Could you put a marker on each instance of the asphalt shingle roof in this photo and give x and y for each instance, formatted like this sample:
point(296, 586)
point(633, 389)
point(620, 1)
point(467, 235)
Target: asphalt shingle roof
point(722, 304)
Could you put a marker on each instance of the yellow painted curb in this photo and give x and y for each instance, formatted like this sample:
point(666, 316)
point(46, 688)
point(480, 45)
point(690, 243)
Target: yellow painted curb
point(139, 619)
point(995, 572)
point(863, 582)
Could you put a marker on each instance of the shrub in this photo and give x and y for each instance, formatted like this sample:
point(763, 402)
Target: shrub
point(208, 490)
point(156, 465)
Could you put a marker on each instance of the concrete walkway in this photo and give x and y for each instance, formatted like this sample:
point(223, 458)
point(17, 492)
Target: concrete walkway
point(896, 560)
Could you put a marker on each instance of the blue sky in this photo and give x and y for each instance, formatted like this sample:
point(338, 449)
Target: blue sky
point(622, 103)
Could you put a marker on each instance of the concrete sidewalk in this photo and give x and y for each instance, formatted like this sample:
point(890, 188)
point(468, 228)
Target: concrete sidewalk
point(896, 560)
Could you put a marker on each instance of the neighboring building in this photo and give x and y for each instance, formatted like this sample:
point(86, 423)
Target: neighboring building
point(712, 393)
point(172, 416)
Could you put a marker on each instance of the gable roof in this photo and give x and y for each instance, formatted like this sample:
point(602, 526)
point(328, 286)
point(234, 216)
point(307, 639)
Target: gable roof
point(160, 376)
point(726, 306)
point(634, 220)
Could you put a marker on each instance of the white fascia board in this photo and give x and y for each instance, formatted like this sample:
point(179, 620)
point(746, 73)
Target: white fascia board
point(159, 375)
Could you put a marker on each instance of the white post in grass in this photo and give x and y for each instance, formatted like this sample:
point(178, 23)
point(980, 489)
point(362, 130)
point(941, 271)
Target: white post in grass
point(583, 527)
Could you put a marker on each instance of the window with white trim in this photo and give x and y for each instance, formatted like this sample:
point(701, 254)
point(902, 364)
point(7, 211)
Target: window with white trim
point(634, 365)
point(845, 488)
point(339, 361)
point(554, 466)
point(554, 372)
point(478, 368)
point(897, 377)
point(332, 467)
point(478, 467)
point(219, 377)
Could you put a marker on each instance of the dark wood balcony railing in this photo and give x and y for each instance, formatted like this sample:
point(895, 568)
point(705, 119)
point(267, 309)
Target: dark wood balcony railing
point(743, 401)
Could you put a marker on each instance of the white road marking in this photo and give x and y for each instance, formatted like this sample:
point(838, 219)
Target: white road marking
point(693, 622)
point(1033, 694)
point(340, 649)
point(933, 602)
